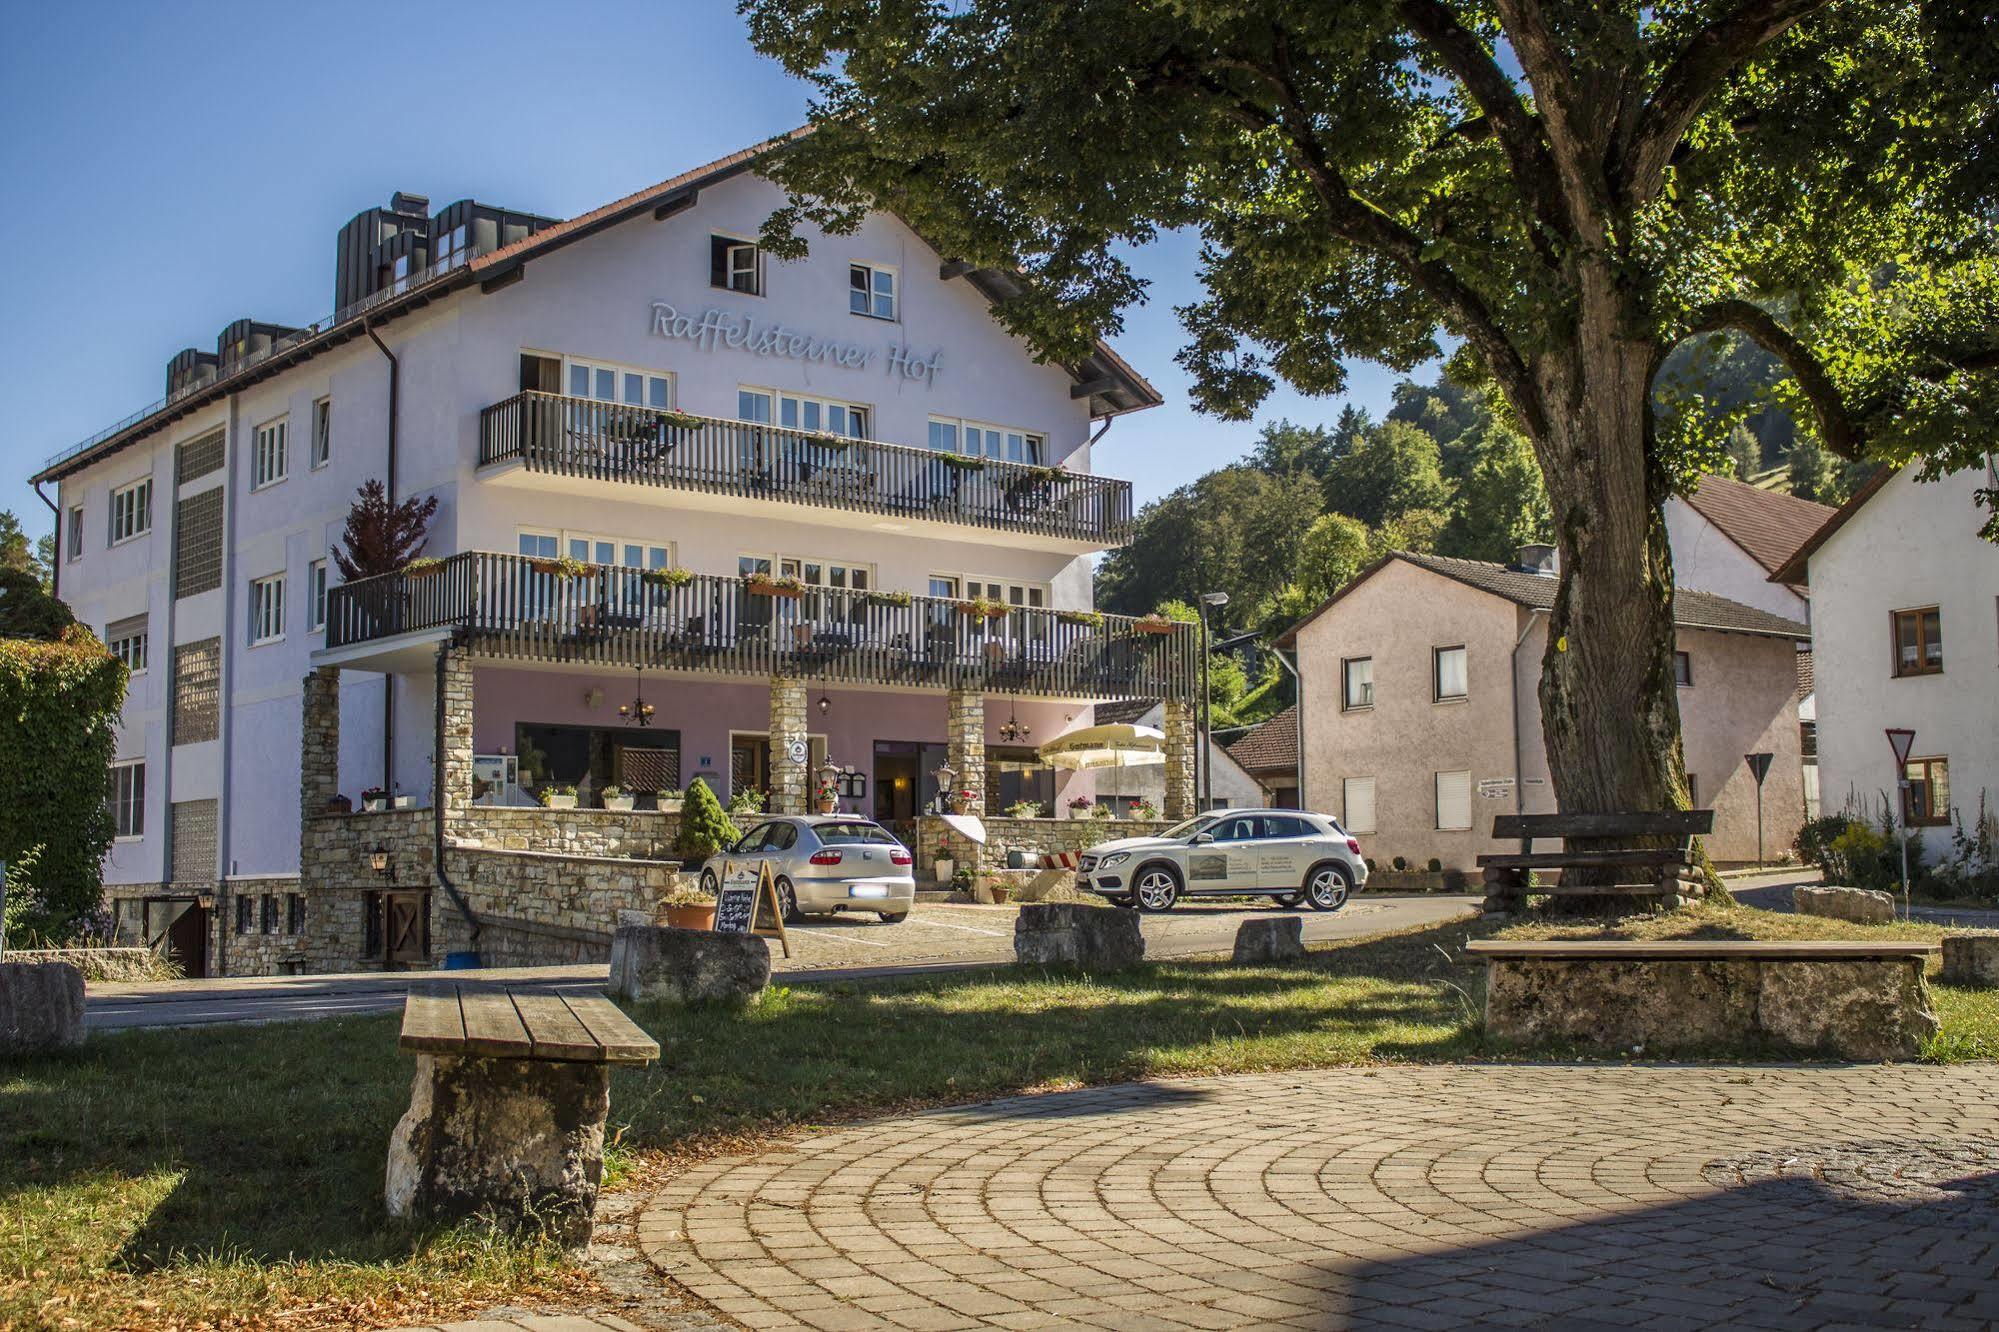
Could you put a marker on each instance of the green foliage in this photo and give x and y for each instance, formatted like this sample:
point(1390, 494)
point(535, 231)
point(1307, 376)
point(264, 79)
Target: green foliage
point(1392, 470)
point(705, 829)
point(59, 702)
point(1235, 529)
point(16, 552)
point(26, 608)
point(1502, 504)
point(380, 537)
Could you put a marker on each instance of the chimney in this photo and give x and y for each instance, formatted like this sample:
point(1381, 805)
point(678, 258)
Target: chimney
point(1538, 558)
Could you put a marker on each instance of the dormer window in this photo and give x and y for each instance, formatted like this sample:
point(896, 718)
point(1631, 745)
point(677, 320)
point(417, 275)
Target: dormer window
point(735, 264)
point(871, 291)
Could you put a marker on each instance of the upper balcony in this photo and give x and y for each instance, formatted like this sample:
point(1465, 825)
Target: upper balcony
point(538, 436)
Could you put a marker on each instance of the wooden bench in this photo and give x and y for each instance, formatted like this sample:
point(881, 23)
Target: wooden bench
point(1850, 998)
point(1617, 842)
point(506, 1115)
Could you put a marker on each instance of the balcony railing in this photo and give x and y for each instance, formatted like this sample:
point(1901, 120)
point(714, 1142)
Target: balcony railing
point(611, 442)
point(514, 606)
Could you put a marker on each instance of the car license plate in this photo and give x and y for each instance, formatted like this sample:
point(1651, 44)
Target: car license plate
point(868, 890)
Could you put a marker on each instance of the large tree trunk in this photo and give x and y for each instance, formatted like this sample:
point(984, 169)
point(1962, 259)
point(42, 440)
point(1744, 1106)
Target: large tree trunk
point(1610, 717)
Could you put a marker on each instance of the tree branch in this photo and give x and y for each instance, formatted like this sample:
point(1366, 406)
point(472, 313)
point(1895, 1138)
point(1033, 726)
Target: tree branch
point(1691, 80)
point(1546, 65)
point(1836, 428)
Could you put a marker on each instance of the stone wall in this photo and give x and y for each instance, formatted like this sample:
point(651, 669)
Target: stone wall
point(1177, 721)
point(270, 946)
point(936, 839)
point(540, 909)
point(788, 780)
point(578, 832)
point(965, 743)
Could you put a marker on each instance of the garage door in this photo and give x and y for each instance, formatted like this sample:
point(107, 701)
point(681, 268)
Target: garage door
point(1453, 801)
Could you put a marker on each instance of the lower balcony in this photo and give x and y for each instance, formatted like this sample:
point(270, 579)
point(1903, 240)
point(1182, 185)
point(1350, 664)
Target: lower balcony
point(513, 606)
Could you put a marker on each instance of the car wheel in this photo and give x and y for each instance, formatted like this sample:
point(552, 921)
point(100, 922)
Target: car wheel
point(894, 917)
point(708, 883)
point(1289, 900)
point(1156, 889)
point(787, 903)
point(1328, 887)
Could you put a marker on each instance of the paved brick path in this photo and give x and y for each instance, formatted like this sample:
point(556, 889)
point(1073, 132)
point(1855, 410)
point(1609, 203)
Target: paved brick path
point(1411, 1197)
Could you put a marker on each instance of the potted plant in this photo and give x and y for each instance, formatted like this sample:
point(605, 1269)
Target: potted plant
point(1104, 813)
point(1024, 809)
point(1155, 623)
point(749, 800)
point(667, 578)
point(680, 420)
point(1079, 807)
point(826, 792)
point(615, 797)
point(558, 797)
point(668, 802)
point(962, 461)
point(885, 598)
point(775, 585)
point(982, 608)
point(704, 829)
point(339, 804)
point(566, 567)
point(1000, 891)
point(688, 908)
point(423, 567)
point(375, 799)
point(1089, 619)
point(401, 801)
point(963, 801)
point(1148, 811)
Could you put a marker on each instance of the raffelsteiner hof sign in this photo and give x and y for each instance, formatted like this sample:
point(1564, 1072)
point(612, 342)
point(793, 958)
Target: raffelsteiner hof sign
point(715, 329)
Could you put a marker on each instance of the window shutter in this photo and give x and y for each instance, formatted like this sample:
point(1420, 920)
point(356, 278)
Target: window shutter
point(1453, 801)
point(1359, 804)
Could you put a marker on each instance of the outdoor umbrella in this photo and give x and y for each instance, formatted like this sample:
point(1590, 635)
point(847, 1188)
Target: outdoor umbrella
point(1118, 745)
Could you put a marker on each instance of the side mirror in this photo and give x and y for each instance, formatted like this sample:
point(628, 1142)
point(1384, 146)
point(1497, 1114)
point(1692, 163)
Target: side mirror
point(1200, 839)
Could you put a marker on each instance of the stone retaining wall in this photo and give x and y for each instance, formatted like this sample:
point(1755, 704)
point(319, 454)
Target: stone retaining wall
point(936, 839)
point(540, 909)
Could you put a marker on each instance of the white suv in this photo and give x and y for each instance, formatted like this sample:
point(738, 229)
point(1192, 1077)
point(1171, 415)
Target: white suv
point(1289, 854)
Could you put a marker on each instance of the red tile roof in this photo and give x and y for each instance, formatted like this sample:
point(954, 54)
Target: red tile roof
point(1271, 746)
point(1768, 524)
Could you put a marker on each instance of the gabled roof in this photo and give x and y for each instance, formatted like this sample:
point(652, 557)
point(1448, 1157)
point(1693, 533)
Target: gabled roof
point(1270, 746)
point(1768, 524)
point(1110, 383)
point(1691, 609)
point(1797, 567)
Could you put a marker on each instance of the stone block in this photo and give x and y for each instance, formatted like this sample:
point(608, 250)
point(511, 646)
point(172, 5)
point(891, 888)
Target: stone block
point(1971, 959)
point(41, 1007)
point(1873, 1008)
point(1071, 934)
point(1264, 939)
point(1862, 906)
point(515, 1143)
point(688, 966)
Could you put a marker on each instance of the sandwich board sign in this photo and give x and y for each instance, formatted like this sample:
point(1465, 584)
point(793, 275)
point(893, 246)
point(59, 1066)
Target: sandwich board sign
point(747, 903)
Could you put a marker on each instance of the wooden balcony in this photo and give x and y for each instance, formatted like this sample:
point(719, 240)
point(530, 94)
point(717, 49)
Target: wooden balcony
point(551, 435)
point(510, 606)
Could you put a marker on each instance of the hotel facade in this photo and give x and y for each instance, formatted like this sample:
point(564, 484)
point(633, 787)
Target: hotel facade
point(702, 515)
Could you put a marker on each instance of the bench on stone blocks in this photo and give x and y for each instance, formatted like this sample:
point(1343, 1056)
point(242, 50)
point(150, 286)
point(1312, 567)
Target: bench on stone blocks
point(1626, 844)
point(506, 1115)
point(1851, 999)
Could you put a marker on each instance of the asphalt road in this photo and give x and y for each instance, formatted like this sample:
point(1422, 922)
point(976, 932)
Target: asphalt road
point(936, 937)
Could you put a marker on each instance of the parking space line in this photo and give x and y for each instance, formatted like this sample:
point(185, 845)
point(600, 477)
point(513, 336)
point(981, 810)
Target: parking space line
point(834, 938)
point(969, 929)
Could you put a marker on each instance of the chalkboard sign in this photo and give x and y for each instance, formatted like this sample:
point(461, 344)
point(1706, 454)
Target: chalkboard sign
point(736, 904)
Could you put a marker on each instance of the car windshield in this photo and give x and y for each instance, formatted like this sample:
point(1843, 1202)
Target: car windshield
point(852, 834)
point(1199, 823)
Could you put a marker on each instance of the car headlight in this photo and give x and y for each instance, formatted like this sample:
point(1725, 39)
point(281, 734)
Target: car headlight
point(1114, 858)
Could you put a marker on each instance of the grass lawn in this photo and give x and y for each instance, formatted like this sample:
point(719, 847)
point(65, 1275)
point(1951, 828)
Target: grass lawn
point(234, 1177)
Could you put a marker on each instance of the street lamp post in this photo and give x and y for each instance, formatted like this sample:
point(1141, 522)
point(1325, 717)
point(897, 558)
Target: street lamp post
point(1204, 758)
point(1901, 741)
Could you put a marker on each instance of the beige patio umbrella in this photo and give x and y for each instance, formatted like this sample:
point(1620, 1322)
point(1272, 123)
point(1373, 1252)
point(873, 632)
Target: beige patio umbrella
point(1117, 746)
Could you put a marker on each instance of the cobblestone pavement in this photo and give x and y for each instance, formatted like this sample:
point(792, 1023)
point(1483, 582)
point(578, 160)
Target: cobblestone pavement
point(1424, 1197)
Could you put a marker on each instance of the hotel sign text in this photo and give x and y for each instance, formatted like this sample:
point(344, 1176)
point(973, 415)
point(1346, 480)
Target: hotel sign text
point(713, 328)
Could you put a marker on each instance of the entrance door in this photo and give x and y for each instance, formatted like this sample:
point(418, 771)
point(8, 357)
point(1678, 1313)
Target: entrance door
point(749, 764)
point(408, 927)
point(179, 927)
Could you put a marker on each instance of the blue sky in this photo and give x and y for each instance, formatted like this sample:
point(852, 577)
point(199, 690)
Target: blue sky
point(170, 167)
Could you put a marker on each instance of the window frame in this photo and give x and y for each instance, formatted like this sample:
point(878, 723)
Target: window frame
point(143, 517)
point(1437, 694)
point(1683, 669)
point(894, 314)
point(1937, 816)
point(618, 371)
point(143, 638)
point(73, 546)
point(776, 398)
point(1034, 443)
point(258, 616)
point(318, 579)
point(275, 433)
point(1346, 684)
point(732, 244)
point(1922, 666)
point(319, 450)
point(132, 800)
point(1437, 799)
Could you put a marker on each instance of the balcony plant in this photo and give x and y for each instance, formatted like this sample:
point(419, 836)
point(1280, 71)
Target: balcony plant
point(775, 585)
point(1148, 811)
point(1154, 623)
point(964, 462)
point(615, 797)
point(681, 420)
point(568, 566)
point(667, 578)
point(423, 567)
point(964, 801)
point(1089, 619)
point(982, 608)
point(1105, 813)
point(885, 599)
point(558, 797)
point(704, 829)
point(1024, 809)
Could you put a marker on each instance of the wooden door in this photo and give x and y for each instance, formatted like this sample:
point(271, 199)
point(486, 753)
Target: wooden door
point(408, 927)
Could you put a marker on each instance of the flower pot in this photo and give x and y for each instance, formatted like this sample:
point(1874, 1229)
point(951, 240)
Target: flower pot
point(759, 587)
point(691, 917)
point(430, 571)
point(1160, 629)
point(405, 802)
point(670, 806)
point(829, 805)
point(960, 805)
point(1000, 892)
point(560, 802)
point(375, 804)
point(339, 804)
point(617, 802)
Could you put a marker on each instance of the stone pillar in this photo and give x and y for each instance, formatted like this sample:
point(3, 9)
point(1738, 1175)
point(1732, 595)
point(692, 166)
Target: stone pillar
point(965, 744)
point(319, 742)
point(1179, 728)
point(787, 725)
point(455, 749)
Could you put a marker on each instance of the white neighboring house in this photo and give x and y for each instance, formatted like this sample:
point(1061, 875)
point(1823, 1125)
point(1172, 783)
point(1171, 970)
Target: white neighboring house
point(1233, 786)
point(1905, 598)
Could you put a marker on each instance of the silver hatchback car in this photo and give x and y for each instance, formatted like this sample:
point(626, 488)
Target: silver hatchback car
point(826, 863)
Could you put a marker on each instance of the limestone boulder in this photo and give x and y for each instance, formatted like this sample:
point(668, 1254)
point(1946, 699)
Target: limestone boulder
point(1614, 1005)
point(1265, 939)
point(1076, 935)
point(516, 1144)
point(1971, 959)
point(688, 966)
point(1862, 906)
point(41, 1007)
point(1862, 1009)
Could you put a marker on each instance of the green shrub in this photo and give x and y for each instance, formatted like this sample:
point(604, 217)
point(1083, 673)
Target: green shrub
point(704, 828)
point(60, 701)
point(1435, 866)
point(1817, 835)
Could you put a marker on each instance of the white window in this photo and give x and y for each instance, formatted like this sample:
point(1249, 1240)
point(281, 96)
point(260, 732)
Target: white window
point(826, 573)
point(127, 642)
point(1453, 801)
point(270, 463)
point(593, 548)
point(735, 264)
point(315, 586)
point(131, 510)
point(793, 412)
point(451, 249)
point(976, 439)
point(1357, 804)
point(76, 533)
point(602, 381)
point(1357, 683)
point(1448, 675)
point(128, 799)
point(322, 432)
point(871, 290)
point(267, 609)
